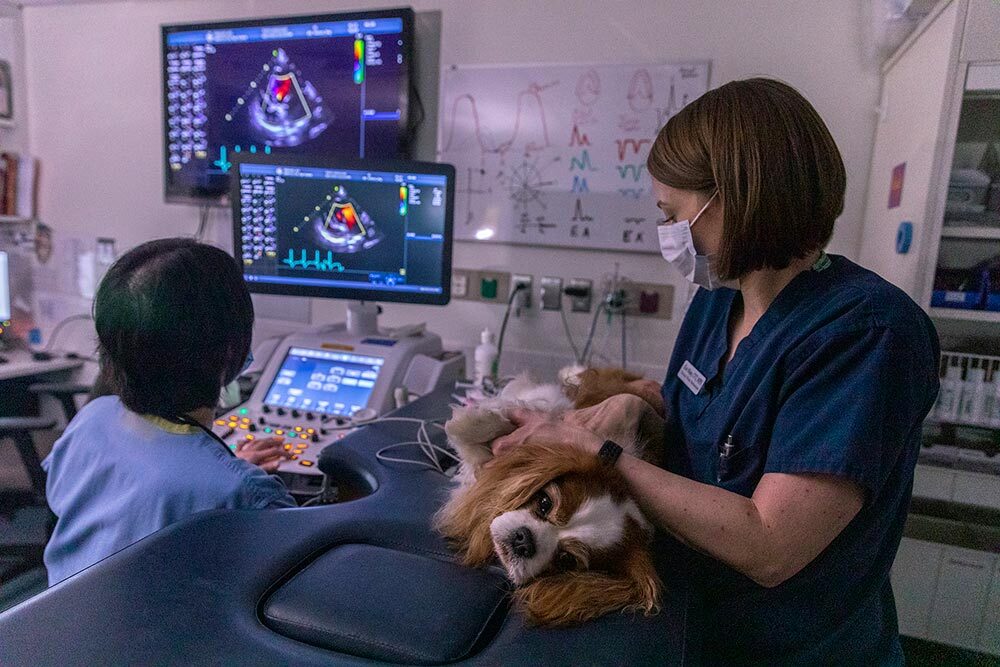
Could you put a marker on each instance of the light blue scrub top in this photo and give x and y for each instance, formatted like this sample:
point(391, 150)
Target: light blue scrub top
point(114, 477)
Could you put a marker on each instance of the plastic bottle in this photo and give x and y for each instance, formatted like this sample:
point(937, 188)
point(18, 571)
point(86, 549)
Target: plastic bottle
point(484, 357)
point(951, 390)
point(971, 402)
point(989, 399)
point(994, 417)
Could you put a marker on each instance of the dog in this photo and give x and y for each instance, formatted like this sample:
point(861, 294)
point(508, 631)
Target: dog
point(562, 524)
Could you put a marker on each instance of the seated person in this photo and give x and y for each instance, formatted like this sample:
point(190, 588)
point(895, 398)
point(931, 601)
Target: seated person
point(174, 322)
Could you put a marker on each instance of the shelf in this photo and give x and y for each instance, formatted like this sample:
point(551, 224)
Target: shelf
point(15, 219)
point(970, 232)
point(967, 315)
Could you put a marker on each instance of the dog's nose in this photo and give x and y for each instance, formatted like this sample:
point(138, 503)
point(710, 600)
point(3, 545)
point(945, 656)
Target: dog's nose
point(522, 543)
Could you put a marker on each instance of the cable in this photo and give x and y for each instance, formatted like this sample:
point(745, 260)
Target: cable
point(58, 327)
point(503, 327)
point(427, 447)
point(585, 357)
point(624, 343)
point(203, 212)
point(569, 336)
point(417, 119)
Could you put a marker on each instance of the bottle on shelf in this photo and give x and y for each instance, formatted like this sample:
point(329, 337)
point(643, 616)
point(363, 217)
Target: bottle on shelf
point(993, 418)
point(989, 396)
point(970, 403)
point(951, 390)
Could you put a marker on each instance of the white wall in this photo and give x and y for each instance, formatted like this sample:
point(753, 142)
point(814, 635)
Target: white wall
point(94, 95)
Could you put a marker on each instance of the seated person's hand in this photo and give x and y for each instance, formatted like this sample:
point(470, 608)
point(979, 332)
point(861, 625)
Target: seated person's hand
point(264, 452)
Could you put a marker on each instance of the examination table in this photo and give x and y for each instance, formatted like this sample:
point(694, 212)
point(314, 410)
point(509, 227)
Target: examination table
point(364, 581)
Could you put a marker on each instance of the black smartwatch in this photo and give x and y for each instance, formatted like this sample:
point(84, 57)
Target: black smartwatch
point(609, 453)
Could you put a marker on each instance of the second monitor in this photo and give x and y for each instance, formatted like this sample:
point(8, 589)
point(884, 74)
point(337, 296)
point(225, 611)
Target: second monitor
point(373, 230)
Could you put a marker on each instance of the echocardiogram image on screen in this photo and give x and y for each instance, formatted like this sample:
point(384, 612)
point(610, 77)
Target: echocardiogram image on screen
point(345, 232)
point(333, 85)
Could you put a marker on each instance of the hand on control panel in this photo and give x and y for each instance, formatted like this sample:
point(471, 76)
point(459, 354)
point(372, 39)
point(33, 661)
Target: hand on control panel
point(267, 453)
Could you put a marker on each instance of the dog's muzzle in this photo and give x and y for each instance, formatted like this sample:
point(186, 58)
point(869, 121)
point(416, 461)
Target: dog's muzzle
point(522, 543)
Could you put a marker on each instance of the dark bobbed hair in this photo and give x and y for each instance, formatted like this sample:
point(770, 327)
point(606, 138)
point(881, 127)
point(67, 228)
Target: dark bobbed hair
point(174, 323)
point(780, 176)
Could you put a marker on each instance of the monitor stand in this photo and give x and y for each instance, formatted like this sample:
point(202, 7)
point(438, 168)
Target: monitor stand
point(362, 318)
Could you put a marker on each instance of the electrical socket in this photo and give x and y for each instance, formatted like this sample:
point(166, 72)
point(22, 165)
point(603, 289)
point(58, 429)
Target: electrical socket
point(459, 284)
point(491, 286)
point(551, 293)
point(523, 300)
point(464, 284)
point(581, 304)
point(662, 296)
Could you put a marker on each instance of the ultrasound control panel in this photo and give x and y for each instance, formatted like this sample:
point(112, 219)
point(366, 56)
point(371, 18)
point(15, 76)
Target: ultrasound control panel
point(317, 388)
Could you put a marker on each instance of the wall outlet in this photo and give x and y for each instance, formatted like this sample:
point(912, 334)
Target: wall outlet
point(523, 300)
point(580, 303)
point(649, 300)
point(551, 293)
point(459, 284)
point(463, 284)
point(492, 286)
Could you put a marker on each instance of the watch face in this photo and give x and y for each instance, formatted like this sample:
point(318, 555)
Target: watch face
point(610, 452)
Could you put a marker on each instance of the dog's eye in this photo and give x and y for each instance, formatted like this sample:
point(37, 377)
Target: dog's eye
point(544, 504)
point(565, 560)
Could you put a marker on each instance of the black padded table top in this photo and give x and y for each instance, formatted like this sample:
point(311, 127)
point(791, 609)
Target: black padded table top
point(356, 583)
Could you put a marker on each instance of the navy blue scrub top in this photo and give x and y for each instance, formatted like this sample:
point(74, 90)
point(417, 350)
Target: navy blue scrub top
point(836, 377)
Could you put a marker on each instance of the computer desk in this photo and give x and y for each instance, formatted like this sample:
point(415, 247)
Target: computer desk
point(20, 365)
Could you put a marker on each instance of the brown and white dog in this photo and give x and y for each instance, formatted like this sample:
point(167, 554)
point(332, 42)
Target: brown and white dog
point(562, 523)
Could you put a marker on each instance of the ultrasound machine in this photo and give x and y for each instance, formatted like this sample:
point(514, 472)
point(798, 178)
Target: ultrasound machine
point(360, 230)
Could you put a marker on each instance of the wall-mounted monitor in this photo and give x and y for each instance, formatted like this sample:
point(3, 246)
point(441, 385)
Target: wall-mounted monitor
point(365, 230)
point(304, 86)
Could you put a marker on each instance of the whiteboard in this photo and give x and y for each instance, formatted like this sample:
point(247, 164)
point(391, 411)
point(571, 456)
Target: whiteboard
point(555, 155)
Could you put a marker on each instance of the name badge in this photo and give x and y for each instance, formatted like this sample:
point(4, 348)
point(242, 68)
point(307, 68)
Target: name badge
point(691, 377)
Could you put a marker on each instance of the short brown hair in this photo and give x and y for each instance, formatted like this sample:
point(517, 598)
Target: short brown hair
point(779, 174)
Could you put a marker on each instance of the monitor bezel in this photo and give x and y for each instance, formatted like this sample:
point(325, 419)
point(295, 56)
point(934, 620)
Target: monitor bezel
point(206, 197)
point(354, 164)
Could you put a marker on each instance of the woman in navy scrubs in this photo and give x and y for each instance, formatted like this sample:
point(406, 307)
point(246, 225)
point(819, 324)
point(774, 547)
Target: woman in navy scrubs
point(794, 396)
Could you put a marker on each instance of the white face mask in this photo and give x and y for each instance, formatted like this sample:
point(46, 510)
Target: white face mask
point(677, 247)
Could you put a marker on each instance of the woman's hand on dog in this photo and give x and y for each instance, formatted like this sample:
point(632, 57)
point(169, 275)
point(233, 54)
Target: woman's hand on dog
point(543, 427)
point(267, 453)
point(579, 427)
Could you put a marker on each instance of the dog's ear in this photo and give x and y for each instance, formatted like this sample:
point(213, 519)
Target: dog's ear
point(472, 430)
point(572, 598)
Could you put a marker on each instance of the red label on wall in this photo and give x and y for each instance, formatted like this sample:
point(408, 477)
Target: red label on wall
point(896, 186)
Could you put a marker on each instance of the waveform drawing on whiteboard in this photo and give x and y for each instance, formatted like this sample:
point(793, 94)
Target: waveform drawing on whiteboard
point(556, 154)
point(530, 131)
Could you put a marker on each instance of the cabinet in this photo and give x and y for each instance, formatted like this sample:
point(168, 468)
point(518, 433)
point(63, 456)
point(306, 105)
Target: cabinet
point(936, 165)
point(963, 585)
point(948, 594)
point(914, 581)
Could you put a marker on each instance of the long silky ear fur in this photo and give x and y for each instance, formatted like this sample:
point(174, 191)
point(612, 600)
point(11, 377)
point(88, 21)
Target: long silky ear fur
point(471, 431)
point(595, 385)
point(572, 598)
point(502, 485)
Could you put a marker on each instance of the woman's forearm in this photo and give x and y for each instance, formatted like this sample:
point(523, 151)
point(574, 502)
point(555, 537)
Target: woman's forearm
point(722, 524)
